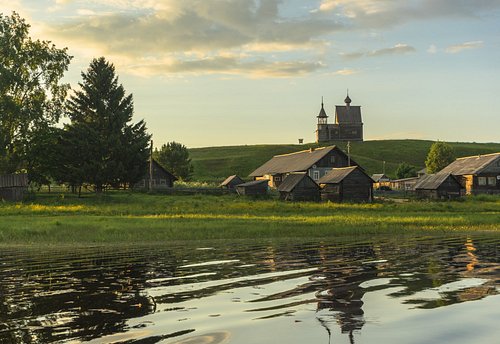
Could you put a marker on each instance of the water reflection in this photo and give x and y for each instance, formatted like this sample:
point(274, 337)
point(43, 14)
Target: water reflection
point(333, 290)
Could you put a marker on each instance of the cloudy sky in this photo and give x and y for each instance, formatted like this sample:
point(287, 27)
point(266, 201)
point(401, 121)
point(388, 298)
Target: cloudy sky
point(231, 72)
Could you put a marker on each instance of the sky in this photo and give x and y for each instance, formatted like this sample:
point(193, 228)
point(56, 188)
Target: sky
point(237, 72)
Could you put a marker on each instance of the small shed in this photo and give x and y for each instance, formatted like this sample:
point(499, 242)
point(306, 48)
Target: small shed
point(13, 186)
point(347, 184)
point(253, 188)
point(162, 178)
point(299, 187)
point(381, 181)
point(439, 186)
point(231, 182)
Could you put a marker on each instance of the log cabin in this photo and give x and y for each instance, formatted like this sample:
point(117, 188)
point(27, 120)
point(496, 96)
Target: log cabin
point(438, 186)
point(479, 174)
point(253, 188)
point(13, 187)
point(299, 187)
point(162, 179)
point(350, 184)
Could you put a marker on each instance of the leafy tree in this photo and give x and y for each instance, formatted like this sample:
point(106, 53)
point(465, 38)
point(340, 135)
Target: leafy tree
point(406, 170)
point(174, 157)
point(31, 95)
point(440, 155)
point(112, 152)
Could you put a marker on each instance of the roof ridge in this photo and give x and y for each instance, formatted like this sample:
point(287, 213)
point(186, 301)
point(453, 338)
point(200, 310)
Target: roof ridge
point(305, 150)
point(477, 156)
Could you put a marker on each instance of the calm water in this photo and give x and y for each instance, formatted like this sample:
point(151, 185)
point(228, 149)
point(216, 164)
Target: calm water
point(419, 290)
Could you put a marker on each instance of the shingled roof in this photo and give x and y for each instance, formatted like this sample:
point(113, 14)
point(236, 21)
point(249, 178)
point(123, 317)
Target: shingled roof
point(433, 181)
point(379, 176)
point(347, 114)
point(293, 162)
point(472, 164)
point(336, 175)
point(230, 179)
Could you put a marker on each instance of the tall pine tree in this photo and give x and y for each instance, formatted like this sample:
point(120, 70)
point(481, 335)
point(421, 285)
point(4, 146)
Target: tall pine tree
point(113, 151)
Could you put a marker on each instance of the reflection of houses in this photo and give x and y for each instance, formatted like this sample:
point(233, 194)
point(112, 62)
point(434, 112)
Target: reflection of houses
point(315, 162)
point(231, 182)
point(381, 180)
point(13, 186)
point(253, 188)
point(299, 187)
point(162, 179)
point(346, 184)
point(477, 174)
point(439, 185)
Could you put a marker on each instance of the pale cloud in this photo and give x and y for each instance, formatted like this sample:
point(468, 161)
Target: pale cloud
point(432, 49)
point(398, 49)
point(454, 49)
point(395, 50)
point(346, 72)
point(228, 66)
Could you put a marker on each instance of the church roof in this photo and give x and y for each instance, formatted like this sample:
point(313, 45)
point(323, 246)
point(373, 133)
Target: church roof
point(348, 114)
point(322, 112)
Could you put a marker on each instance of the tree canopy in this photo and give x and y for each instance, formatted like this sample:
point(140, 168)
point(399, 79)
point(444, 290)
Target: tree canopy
point(406, 170)
point(174, 157)
point(31, 95)
point(440, 155)
point(110, 151)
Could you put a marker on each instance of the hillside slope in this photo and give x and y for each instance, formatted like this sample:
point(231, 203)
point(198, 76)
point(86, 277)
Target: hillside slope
point(216, 163)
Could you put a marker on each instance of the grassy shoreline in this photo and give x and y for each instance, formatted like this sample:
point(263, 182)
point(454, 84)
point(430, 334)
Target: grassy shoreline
point(123, 217)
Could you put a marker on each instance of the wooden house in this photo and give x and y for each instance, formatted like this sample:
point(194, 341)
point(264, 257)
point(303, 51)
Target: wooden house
point(381, 181)
point(350, 184)
point(438, 186)
point(231, 182)
point(253, 188)
point(299, 187)
point(162, 179)
point(13, 186)
point(478, 174)
point(314, 162)
point(405, 184)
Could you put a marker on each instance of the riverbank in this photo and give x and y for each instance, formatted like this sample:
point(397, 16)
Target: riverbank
point(123, 217)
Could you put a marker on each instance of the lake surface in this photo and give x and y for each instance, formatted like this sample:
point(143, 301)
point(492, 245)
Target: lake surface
point(380, 290)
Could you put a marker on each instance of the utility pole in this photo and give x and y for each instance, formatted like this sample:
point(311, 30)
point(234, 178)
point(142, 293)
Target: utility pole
point(383, 168)
point(151, 167)
point(349, 153)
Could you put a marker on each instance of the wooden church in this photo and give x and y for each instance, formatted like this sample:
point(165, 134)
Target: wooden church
point(348, 125)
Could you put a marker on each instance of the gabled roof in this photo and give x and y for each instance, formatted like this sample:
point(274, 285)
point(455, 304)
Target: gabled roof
point(253, 183)
point(378, 176)
point(348, 114)
point(336, 175)
point(292, 180)
point(433, 181)
point(322, 112)
point(294, 162)
point(157, 165)
point(229, 179)
point(471, 164)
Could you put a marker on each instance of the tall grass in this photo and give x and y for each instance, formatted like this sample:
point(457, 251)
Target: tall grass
point(136, 217)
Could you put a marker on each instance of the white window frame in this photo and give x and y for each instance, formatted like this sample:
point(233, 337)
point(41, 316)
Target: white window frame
point(277, 178)
point(492, 181)
point(316, 175)
point(482, 181)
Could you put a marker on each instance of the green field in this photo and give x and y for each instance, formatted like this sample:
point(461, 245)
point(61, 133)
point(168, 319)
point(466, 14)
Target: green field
point(123, 217)
point(213, 164)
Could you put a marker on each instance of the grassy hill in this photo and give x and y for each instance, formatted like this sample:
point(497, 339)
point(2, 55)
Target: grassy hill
point(216, 163)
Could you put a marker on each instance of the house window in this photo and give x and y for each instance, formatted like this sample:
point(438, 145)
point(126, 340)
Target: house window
point(316, 175)
point(142, 183)
point(277, 179)
point(332, 159)
point(481, 181)
point(492, 181)
point(163, 182)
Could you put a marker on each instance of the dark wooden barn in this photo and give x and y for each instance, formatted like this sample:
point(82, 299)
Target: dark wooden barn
point(231, 182)
point(350, 184)
point(162, 179)
point(299, 187)
point(253, 188)
point(478, 174)
point(315, 162)
point(438, 186)
point(13, 187)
